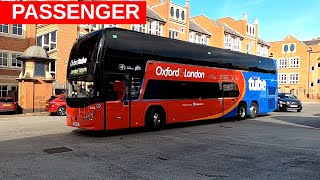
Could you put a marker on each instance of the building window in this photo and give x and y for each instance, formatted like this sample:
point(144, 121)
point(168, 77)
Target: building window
point(177, 13)
point(312, 68)
point(318, 81)
point(139, 27)
point(318, 65)
point(173, 34)
point(248, 48)
point(294, 78)
point(48, 41)
point(39, 69)
point(14, 62)
point(17, 29)
point(3, 91)
point(155, 28)
point(191, 36)
point(294, 62)
point(52, 69)
point(4, 28)
point(172, 11)
point(108, 26)
point(4, 59)
point(282, 63)
point(282, 78)
point(311, 84)
point(183, 15)
point(227, 41)
point(236, 44)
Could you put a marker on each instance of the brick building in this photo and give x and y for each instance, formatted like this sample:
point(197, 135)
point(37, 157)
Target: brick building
point(299, 64)
point(164, 18)
point(15, 39)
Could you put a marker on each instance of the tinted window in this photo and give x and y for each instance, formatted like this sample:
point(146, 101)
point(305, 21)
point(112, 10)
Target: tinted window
point(6, 100)
point(160, 89)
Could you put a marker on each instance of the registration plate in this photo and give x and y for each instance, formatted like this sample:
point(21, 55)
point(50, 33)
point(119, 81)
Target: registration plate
point(294, 106)
point(7, 105)
point(76, 124)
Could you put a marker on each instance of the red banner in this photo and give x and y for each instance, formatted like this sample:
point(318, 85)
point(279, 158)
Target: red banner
point(62, 12)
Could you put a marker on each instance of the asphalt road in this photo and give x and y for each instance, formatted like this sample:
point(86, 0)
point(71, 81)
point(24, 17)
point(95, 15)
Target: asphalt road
point(283, 145)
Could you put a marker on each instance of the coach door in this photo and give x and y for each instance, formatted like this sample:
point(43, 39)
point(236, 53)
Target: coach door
point(117, 104)
point(229, 94)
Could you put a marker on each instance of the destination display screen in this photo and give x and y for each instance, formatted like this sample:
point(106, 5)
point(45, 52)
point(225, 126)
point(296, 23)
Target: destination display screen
point(79, 71)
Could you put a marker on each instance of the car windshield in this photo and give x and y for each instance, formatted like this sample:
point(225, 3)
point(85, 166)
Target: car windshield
point(6, 100)
point(287, 96)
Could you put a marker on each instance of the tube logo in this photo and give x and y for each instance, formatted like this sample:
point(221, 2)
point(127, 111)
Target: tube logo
point(256, 84)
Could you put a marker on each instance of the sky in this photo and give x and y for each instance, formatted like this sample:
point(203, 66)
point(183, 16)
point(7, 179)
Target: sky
point(277, 18)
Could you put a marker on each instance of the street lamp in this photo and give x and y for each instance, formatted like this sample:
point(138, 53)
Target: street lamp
point(309, 51)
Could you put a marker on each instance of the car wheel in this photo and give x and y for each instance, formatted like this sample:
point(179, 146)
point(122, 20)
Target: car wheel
point(254, 110)
point(61, 111)
point(298, 110)
point(242, 111)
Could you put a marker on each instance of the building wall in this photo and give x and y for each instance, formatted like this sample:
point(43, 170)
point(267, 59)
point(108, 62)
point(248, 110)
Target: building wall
point(241, 27)
point(217, 38)
point(10, 45)
point(301, 88)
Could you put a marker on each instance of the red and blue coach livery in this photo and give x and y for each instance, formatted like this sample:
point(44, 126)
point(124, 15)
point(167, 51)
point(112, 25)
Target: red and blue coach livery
point(124, 79)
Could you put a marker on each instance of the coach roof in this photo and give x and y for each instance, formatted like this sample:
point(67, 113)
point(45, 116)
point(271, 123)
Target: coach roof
point(165, 49)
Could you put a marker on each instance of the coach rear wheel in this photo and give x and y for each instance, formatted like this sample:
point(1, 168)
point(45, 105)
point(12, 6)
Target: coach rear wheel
point(154, 119)
point(242, 109)
point(254, 109)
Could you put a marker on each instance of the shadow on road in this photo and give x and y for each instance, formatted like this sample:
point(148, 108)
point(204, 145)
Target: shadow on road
point(301, 120)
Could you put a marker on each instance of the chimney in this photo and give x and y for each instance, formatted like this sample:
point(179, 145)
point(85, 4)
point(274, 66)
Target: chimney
point(187, 3)
point(256, 21)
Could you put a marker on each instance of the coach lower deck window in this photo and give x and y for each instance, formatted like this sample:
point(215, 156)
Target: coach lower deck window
point(162, 89)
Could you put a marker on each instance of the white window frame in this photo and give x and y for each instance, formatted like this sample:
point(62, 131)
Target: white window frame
point(282, 63)
point(50, 42)
point(227, 41)
point(294, 62)
point(248, 48)
point(14, 59)
point(282, 78)
point(294, 78)
point(236, 44)
point(191, 36)
point(109, 26)
point(173, 34)
point(17, 26)
point(10, 31)
point(2, 58)
point(1, 90)
point(1, 30)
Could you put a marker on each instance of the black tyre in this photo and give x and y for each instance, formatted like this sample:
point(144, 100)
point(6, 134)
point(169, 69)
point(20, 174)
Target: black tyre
point(61, 111)
point(254, 110)
point(298, 110)
point(154, 119)
point(242, 111)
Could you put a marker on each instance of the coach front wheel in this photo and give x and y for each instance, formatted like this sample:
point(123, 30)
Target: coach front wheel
point(242, 109)
point(153, 119)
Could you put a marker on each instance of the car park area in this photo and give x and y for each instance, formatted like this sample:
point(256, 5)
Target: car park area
point(282, 145)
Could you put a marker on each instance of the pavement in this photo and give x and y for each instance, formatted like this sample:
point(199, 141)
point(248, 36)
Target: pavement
point(282, 145)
